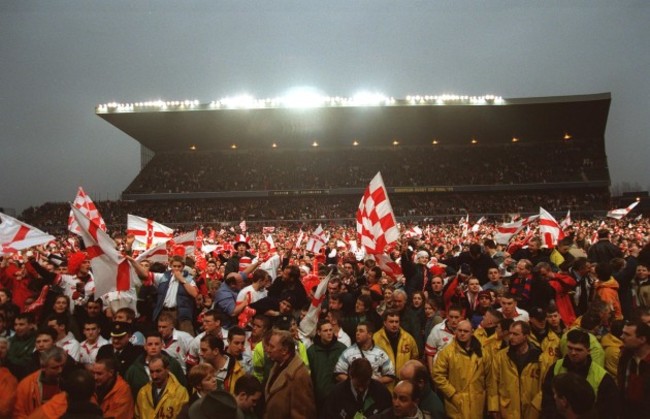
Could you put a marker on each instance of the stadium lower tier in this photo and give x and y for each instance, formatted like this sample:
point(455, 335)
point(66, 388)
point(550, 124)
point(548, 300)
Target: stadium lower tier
point(313, 209)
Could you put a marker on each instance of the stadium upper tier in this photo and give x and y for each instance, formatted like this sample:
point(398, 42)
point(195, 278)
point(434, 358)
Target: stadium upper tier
point(353, 167)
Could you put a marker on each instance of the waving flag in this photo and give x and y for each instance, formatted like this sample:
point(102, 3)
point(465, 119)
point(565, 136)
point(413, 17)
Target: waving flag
point(183, 243)
point(376, 225)
point(301, 236)
point(267, 230)
point(477, 225)
point(622, 212)
point(308, 323)
point(16, 235)
point(87, 208)
point(388, 265)
point(506, 230)
point(316, 240)
point(549, 228)
point(566, 222)
point(242, 226)
point(111, 271)
point(148, 233)
point(413, 232)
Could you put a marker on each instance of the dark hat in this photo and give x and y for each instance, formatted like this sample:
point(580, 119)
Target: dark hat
point(120, 329)
point(484, 293)
point(465, 269)
point(241, 239)
point(537, 313)
point(216, 401)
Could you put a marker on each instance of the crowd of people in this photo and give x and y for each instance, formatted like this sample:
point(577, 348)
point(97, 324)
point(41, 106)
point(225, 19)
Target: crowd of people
point(205, 171)
point(448, 324)
point(292, 210)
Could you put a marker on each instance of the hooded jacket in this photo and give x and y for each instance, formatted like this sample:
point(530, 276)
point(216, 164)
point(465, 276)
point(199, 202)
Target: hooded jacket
point(607, 291)
point(322, 360)
point(172, 400)
point(612, 347)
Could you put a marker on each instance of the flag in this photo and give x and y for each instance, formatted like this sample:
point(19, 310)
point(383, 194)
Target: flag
point(316, 240)
point(301, 235)
point(148, 233)
point(186, 241)
point(242, 226)
point(111, 271)
point(16, 235)
point(267, 230)
point(477, 225)
point(269, 239)
point(388, 265)
point(413, 232)
point(308, 323)
point(376, 225)
point(88, 208)
point(464, 221)
point(549, 228)
point(638, 218)
point(622, 212)
point(506, 230)
point(566, 223)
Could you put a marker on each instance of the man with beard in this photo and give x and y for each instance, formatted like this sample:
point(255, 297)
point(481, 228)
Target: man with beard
point(323, 355)
point(578, 361)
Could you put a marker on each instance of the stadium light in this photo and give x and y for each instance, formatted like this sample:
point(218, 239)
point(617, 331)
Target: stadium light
point(314, 144)
point(234, 146)
point(515, 139)
point(274, 145)
point(395, 143)
point(567, 136)
point(193, 147)
point(369, 99)
point(355, 143)
point(474, 141)
point(434, 142)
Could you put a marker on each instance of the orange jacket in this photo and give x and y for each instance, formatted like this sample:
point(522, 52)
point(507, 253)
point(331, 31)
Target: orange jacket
point(8, 385)
point(28, 395)
point(118, 403)
point(607, 291)
point(52, 409)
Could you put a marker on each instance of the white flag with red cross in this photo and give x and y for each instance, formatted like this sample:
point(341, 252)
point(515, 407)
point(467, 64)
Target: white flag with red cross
point(147, 233)
point(299, 239)
point(388, 265)
point(566, 222)
point(622, 212)
point(111, 270)
point(376, 225)
point(316, 240)
point(549, 228)
point(477, 225)
point(16, 235)
point(507, 230)
point(87, 208)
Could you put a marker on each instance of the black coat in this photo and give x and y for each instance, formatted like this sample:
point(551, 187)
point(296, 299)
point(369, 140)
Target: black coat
point(341, 403)
point(124, 360)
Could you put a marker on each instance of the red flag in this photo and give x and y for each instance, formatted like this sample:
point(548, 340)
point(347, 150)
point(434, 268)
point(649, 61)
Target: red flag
point(388, 265)
point(376, 225)
point(622, 212)
point(316, 240)
point(308, 323)
point(506, 230)
point(148, 233)
point(87, 208)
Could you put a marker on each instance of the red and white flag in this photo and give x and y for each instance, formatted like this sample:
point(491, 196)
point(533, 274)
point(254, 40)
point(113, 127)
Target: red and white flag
point(477, 225)
point(308, 323)
point(316, 240)
point(388, 265)
point(549, 228)
point(148, 233)
point(464, 222)
point(507, 230)
point(161, 252)
point(16, 235)
point(242, 226)
point(87, 208)
point(301, 236)
point(376, 225)
point(622, 212)
point(268, 230)
point(413, 232)
point(566, 222)
point(111, 271)
point(269, 239)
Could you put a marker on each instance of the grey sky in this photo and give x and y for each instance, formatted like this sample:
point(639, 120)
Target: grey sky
point(59, 59)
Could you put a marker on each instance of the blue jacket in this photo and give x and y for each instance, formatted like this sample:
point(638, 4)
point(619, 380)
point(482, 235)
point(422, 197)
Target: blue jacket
point(184, 301)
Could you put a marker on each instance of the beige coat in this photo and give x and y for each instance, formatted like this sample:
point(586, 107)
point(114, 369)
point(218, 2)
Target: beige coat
point(291, 396)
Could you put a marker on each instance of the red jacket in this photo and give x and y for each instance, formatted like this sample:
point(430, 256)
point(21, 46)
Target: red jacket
point(562, 284)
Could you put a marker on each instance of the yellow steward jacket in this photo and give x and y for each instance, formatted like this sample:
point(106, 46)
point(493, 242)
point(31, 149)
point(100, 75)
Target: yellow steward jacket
point(173, 398)
point(462, 377)
point(516, 395)
point(612, 347)
point(407, 348)
point(550, 346)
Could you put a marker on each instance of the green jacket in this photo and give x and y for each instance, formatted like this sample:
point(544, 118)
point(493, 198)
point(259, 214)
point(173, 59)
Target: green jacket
point(19, 355)
point(322, 360)
point(137, 376)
